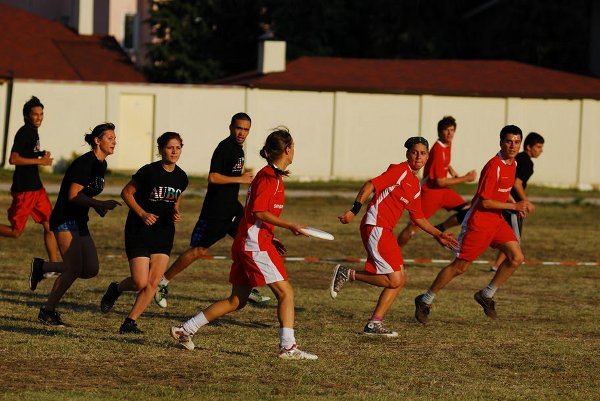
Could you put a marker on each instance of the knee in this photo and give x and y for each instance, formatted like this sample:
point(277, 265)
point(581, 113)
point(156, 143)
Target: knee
point(460, 268)
point(517, 260)
point(285, 295)
point(397, 280)
point(198, 253)
point(89, 272)
point(139, 283)
point(16, 233)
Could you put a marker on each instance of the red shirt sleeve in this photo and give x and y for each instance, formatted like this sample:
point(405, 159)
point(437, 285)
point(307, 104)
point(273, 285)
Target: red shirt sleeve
point(388, 178)
point(262, 194)
point(488, 183)
point(438, 163)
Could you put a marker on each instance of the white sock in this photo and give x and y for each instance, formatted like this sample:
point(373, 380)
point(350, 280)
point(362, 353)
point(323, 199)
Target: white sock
point(489, 291)
point(163, 281)
point(428, 297)
point(286, 337)
point(194, 324)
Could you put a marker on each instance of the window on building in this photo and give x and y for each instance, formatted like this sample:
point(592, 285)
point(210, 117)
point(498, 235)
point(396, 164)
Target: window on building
point(129, 31)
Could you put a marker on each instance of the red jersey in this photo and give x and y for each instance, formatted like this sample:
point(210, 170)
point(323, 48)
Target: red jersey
point(495, 183)
point(395, 190)
point(437, 164)
point(265, 194)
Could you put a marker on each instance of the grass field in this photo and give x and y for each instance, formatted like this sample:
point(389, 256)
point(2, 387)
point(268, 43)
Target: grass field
point(545, 344)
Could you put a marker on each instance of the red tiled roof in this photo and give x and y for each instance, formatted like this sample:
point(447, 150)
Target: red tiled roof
point(32, 47)
point(437, 77)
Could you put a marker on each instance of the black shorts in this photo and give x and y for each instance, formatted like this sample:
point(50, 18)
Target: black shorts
point(515, 222)
point(146, 242)
point(207, 232)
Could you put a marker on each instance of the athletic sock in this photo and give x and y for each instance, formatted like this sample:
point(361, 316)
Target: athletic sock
point(286, 337)
point(428, 297)
point(352, 275)
point(163, 281)
point(194, 324)
point(489, 291)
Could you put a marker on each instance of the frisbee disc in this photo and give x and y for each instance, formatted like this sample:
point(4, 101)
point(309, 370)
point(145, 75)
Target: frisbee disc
point(315, 232)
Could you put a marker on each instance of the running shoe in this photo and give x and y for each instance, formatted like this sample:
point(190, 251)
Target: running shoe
point(256, 298)
point(50, 318)
point(376, 328)
point(130, 327)
point(488, 304)
point(110, 297)
point(294, 353)
point(161, 295)
point(37, 273)
point(493, 269)
point(421, 310)
point(341, 275)
point(183, 337)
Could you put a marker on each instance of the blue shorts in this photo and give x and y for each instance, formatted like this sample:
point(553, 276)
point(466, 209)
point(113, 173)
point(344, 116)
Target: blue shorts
point(207, 232)
point(72, 226)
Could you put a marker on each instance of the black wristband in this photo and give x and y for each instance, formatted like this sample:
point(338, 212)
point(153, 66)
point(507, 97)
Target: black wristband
point(356, 207)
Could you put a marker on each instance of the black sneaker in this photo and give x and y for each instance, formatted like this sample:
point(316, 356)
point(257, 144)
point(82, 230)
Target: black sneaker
point(130, 327)
point(110, 297)
point(488, 304)
point(36, 274)
point(421, 310)
point(50, 318)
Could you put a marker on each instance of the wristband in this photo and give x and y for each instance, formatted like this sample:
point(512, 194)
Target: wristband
point(356, 207)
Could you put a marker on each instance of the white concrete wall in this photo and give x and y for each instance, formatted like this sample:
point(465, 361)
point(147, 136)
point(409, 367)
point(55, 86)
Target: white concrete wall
point(337, 135)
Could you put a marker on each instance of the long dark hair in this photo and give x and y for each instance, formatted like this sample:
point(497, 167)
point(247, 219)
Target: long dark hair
point(276, 143)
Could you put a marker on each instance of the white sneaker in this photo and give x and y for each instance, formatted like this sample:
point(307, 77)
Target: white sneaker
point(256, 298)
point(161, 296)
point(493, 269)
point(183, 337)
point(294, 353)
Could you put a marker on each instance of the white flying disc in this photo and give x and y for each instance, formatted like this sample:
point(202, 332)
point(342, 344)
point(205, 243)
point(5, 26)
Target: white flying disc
point(315, 232)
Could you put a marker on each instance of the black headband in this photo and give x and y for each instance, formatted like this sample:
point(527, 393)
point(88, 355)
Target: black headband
point(410, 142)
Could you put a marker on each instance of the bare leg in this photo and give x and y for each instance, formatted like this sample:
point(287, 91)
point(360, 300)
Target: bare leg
point(385, 301)
point(50, 243)
point(8, 231)
point(237, 300)
point(514, 258)
point(184, 260)
point(499, 259)
point(392, 280)
point(448, 273)
point(406, 234)
point(149, 278)
point(285, 309)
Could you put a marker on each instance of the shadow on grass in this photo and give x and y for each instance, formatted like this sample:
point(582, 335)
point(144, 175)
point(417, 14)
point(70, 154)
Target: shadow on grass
point(42, 331)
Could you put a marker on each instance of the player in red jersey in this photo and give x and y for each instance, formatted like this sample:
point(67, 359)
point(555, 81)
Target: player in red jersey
point(256, 253)
point(395, 190)
point(436, 191)
point(485, 226)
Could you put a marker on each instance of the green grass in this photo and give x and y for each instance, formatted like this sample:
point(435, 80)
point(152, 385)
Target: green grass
point(544, 345)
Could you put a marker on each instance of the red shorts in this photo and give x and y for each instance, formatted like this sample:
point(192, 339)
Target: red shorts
point(383, 253)
point(29, 203)
point(472, 243)
point(433, 200)
point(255, 269)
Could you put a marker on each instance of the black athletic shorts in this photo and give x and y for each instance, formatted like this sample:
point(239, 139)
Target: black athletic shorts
point(207, 232)
point(515, 222)
point(146, 242)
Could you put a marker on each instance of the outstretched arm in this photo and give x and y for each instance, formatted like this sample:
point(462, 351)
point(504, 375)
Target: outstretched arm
point(445, 240)
point(456, 179)
point(362, 196)
point(279, 222)
point(16, 159)
point(220, 179)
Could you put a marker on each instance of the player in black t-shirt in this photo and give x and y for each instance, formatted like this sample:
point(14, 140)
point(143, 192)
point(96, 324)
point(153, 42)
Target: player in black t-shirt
point(29, 198)
point(83, 181)
point(533, 147)
point(221, 212)
point(153, 196)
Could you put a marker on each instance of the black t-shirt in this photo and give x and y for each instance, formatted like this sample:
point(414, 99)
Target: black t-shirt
point(157, 190)
point(524, 172)
point(87, 171)
point(27, 144)
point(221, 202)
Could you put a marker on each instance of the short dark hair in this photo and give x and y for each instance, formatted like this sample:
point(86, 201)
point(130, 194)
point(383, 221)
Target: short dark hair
point(447, 121)
point(30, 104)
point(532, 139)
point(240, 116)
point(510, 129)
point(413, 140)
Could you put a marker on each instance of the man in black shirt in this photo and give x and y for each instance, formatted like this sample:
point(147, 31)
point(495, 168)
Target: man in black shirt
point(28, 193)
point(221, 211)
point(533, 147)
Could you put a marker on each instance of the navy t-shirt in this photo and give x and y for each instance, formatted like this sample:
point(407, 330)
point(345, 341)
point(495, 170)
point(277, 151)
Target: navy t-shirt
point(524, 172)
point(221, 202)
point(87, 171)
point(157, 191)
point(27, 144)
